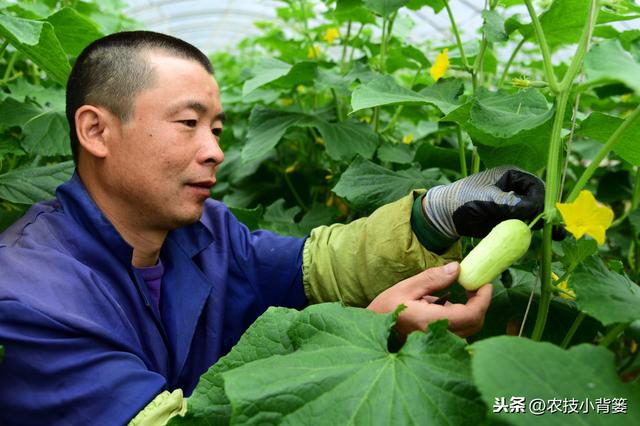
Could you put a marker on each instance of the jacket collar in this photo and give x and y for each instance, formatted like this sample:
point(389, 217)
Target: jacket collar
point(76, 202)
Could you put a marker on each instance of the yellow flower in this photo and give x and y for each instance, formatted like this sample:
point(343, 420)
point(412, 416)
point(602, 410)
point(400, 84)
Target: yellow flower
point(313, 52)
point(567, 292)
point(441, 65)
point(301, 89)
point(586, 216)
point(331, 34)
point(407, 139)
point(286, 102)
point(291, 168)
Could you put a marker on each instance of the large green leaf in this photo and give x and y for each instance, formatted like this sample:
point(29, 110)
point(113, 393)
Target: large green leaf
point(264, 72)
point(281, 220)
point(367, 185)
point(37, 40)
point(47, 134)
point(333, 367)
point(507, 128)
point(603, 294)
point(16, 113)
point(574, 252)
point(504, 115)
point(347, 139)
point(564, 21)
point(510, 367)
point(75, 31)
point(30, 185)
point(385, 91)
point(493, 26)
point(608, 61)
point(601, 126)
point(266, 337)
point(384, 7)
point(266, 128)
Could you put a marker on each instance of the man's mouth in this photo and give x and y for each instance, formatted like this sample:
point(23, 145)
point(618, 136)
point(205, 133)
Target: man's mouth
point(206, 184)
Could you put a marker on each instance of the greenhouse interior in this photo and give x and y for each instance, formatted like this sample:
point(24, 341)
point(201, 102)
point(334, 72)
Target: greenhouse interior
point(319, 212)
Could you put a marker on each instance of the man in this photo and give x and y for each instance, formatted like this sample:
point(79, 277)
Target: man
point(116, 296)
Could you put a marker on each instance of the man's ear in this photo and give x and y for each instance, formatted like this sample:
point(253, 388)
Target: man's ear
point(96, 127)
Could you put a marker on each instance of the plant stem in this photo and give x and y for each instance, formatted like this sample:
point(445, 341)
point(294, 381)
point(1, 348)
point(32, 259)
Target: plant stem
point(345, 45)
point(574, 327)
point(475, 161)
point(545, 291)
point(3, 47)
point(583, 45)
point(613, 334)
point(555, 150)
point(567, 148)
point(608, 146)
point(294, 192)
point(9, 69)
point(454, 27)
point(544, 47)
point(463, 158)
point(505, 72)
point(536, 219)
point(636, 190)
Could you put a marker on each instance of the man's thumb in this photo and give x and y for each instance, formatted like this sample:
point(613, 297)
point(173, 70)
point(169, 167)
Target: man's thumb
point(433, 279)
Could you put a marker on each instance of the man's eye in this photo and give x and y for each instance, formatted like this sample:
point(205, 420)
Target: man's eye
point(189, 123)
point(217, 131)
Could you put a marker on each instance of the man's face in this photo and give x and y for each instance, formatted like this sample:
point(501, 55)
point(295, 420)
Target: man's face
point(164, 160)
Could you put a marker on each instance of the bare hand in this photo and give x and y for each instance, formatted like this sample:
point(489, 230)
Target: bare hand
point(414, 292)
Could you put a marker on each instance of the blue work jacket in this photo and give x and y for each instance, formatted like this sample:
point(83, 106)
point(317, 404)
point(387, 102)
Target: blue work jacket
point(84, 345)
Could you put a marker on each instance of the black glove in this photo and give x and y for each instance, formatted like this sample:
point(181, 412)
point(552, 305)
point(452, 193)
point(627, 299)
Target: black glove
point(474, 205)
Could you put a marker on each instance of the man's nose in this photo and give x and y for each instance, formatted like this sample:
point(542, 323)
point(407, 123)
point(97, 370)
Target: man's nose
point(211, 151)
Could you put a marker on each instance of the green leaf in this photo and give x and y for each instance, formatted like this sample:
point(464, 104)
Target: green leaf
point(385, 91)
point(563, 22)
point(266, 128)
point(11, 147)
point(347, 139)
point(266, 337)
point(605, 295)
point(47, 134)
point(281, 220)
point(249, 217)
point(47, 97)
point(396, 153)
point(600, 127)
point(32, 184)
point(436, 5)
point(333, 364)
point(505, 367)
point(608, 61)
point(493, 26)
point(504, 115)
point(368, 186)
point(576, 251)
point(75, 31)
point(266, 71)
point(16, 113)
point(384, 7)
point(38, 41)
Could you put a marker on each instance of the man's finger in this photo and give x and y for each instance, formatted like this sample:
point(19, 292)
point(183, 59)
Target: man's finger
point(431, 280)
point(471, 313)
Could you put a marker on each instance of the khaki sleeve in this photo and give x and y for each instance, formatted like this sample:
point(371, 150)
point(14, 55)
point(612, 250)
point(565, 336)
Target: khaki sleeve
point(163, 407)
point(355, 262)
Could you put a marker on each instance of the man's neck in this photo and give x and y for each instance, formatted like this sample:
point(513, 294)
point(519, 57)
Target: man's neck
point(145, 240)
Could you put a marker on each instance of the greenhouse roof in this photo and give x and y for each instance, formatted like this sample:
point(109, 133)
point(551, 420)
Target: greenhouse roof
point(220, 24)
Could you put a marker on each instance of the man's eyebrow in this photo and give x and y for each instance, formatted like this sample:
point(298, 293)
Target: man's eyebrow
point(220, 116)
point(197, 107)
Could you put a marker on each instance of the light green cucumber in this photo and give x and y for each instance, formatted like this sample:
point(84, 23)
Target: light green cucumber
point(505, 244)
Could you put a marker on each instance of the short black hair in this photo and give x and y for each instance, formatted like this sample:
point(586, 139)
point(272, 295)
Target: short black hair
point(112, 71)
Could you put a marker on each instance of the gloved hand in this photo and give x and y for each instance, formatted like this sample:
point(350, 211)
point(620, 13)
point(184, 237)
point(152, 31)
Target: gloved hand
point(474, 205)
